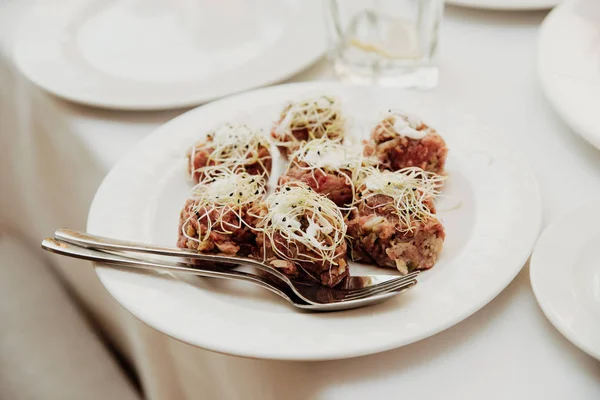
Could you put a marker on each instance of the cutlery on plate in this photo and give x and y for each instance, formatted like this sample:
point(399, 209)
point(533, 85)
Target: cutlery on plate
point(351, 286)
point(314, 298)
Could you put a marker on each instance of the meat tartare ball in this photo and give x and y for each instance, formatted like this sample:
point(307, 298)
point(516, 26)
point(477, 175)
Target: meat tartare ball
point(393, 223)
point(326, 167)
point(401, 140)
point(308, 119)
point(231, 146)
point(302, 234)
point(217, 218)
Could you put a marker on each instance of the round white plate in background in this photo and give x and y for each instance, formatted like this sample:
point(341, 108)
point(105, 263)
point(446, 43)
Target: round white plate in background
point(490, 209)
point(138, 54)
point(507, 5)
point(565, 276)
point(569, 65)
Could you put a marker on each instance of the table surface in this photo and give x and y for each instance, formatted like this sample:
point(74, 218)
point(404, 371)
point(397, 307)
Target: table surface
point(506, 350)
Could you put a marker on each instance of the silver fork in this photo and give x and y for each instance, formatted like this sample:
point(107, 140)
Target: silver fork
point(322, 299)
point(352, 288)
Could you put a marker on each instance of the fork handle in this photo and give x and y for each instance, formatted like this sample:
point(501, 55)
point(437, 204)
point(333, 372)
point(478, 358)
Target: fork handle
point(88, 240)
point(100, 242)
point(70, 250)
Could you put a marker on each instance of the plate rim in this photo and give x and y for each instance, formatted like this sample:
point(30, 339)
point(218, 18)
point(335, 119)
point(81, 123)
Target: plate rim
point(16, 52)
point(549, 90)
point(535, 270)
point(477, 4)
point(374, 348)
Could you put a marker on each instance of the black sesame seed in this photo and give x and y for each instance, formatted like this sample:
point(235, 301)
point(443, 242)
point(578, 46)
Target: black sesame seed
point(389, 183)
point(241, 193)
point(319, 208)
point(231, 194)
point(256, 192)
point(284, 219)
point(288, 189)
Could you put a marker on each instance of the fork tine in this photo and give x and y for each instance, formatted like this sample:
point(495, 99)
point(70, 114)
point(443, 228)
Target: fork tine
point(409, 276)
point(398, 285)
point(390, 287)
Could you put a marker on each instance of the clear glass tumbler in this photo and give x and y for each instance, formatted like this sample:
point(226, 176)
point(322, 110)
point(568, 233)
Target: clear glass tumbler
point(386, 42)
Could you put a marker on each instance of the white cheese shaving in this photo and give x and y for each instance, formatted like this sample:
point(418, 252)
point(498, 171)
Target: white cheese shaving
point(229, 188)
point(233, 134)
point(326, 154)
point(404, 128)
point(406, 124)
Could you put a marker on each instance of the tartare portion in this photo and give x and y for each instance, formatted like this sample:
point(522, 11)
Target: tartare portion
point(326, 167)
point(334, 201)
point(302, 234)
point(217, 217)
point(402, 140)
point(393, 223)
point(306, 120)
point(235, 147)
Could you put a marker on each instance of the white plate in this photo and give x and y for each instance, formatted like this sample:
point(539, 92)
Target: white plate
point(139, 54)
point(491, 212)
point(506, 4)
point(569, 65)
point(565, 276)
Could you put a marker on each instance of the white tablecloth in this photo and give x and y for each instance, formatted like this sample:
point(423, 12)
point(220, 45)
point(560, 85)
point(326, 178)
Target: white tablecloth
point(53, 155)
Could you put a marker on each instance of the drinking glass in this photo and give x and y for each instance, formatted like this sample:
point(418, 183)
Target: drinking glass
point(386, 42)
